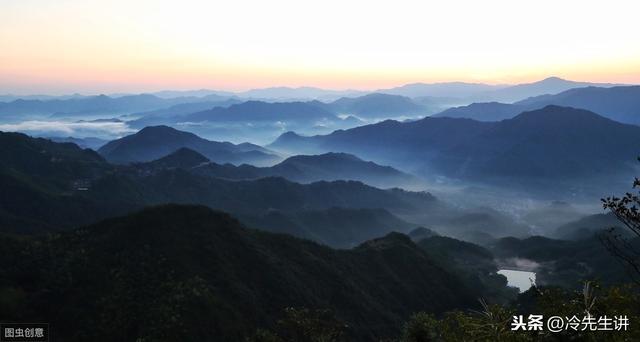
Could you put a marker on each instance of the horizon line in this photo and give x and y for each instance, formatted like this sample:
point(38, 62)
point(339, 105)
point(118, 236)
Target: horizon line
point(292, 87)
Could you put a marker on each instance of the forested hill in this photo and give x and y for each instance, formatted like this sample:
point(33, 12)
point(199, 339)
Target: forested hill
point(187, 273)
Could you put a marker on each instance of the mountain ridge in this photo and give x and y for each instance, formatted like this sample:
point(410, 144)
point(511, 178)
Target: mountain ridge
point(619, 103)
point(549, 141)
point(203, 266)
point(153, 142)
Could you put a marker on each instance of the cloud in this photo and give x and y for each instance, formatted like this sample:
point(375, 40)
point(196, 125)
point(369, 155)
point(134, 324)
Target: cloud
point(75, 129)
point(523, 264)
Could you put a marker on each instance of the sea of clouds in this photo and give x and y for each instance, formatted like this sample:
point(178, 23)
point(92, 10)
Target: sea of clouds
point(102, 130)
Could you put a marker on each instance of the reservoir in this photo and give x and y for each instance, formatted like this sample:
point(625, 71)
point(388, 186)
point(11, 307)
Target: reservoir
point(520, 279)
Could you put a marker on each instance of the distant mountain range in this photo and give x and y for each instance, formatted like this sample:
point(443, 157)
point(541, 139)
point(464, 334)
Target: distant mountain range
point(398, 142)
point(211, 94)
point(551, 85)
point(258, 121)
point(483, 111)
point(157, 141)
point(476, 92)
point(252, 111)
point(88, 106)
point(444, 89)
point(237, 119)
point(621, 104)
point(302, 114)
point(617, 103)
point(13, 97)
point(557, 143)
point(378, 105)
point(160, 116)
point(122, 104)
point(297, 94)
point(549, 143)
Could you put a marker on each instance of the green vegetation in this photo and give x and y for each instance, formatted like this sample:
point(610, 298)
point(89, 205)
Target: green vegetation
point(564, 263)
point(493, 322)
point(335, 227)
point(624, 245)
point(185, 273)
point(472, 263)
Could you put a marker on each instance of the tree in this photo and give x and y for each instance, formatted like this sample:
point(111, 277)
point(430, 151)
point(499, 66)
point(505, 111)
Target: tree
point(421, 327)
point(304, 325)
point(625, 244)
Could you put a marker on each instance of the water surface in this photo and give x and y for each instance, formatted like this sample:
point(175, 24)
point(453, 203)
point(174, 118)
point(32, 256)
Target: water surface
point(520, 279)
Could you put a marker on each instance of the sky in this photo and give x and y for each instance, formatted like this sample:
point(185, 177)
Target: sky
point(68, 46)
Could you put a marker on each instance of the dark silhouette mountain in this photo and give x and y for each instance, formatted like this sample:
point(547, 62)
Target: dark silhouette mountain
point(617, 103)
point(377, 105)
point(447, 247)
point(336, 166)
point(168, 272)
point(420, 233)
point(292, 143)
point(313, 168)
point(553, 143)
point(46, 161)
point(254, 196)
point(181, 158)
point(335, 227)
point(233, 172)
point(154, 142)
point(388, 141)
point(586, 227)
point(470, 262)
point(92, 143)
point(263, 111)
point(484, 220)
point(561, 262)
point(485, 111)
point(50, 186)
point(41, 182)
